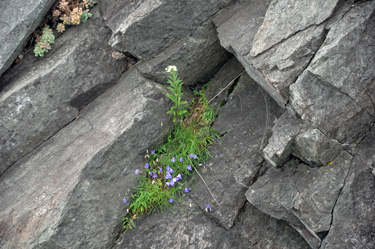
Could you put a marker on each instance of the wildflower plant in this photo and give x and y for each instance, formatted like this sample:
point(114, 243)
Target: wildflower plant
point(176, 84)
point(169, 167)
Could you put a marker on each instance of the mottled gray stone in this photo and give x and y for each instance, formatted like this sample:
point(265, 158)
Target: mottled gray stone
point(302, 196)
point(197, 57)
point(222, 78)
point(245, 123)
point(313, 147)
point(280, 145)
point(68, 193)
point(18, 19)
point(146, 28)
point(336, 92)
point(41, 96)
point(353, 224)
point(285, 18)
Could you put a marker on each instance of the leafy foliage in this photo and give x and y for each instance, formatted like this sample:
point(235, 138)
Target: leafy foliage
point(44, 42)
point(170, 165)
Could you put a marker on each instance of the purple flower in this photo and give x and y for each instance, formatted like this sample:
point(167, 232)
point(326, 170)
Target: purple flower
point(124, 200)
point(178, 177)
point(208, 208)
point(150, 173)
point(173, 160)
point(171, 183)
point(180, 159)
point(136, 171)
point(152, 152)
point(169, 169)
point(171, 200)
point(193, 156)
point(154, 175)
point(160, 170)
point(147, 166)
point(189, 167)
point(168, 176)
point(226, 99)
point(168, 184)
point(187, 190)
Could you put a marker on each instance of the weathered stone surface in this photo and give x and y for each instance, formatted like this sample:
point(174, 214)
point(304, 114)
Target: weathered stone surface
point(314, 148)
point(353, 222)
point(68, 193)
point(18, 19)
point(221, 80)
point(145, 28)
point(280, 145)
point(42, 96)
point(302, 196)
point(280, 66)
point(192, 229)
point(287, 18)
point(336, 91)
point(244, 123)
point(197, 57)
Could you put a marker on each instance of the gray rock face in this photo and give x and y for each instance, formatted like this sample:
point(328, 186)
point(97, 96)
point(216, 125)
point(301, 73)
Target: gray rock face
point(237, 152)
point(280, 145)
point(300, 15)
point(222, 78)
point(197, 57)
point(145, 28)
point(18, 19)
point(302, 196)
point(340, 104)
point(314, 148)
point(42, 96)
point(83, 170)
point(193, 229)
point(353, 222)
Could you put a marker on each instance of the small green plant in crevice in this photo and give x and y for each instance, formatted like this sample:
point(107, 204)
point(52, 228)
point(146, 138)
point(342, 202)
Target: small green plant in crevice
point(70, 12)
point(166, 174)
point(43, 43)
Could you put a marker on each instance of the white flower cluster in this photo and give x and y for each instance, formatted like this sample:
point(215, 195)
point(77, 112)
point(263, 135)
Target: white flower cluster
point(170, 68)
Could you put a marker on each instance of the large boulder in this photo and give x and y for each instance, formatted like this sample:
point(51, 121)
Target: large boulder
point(336, 92)
point(166, 32)
point(68, 193)
point(244, 133)
point(353, 223)
point(18, 19)
point(302, 196)
point(41, 96)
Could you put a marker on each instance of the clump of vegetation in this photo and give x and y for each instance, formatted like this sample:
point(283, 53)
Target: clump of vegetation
point(43, 43)
point(170, 165)
point(67, 12)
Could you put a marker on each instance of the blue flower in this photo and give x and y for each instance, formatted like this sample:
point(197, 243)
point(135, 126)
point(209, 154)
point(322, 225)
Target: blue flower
point(124, 200)
point(171, 200)
point(173, 160)
point(187, 190)
point(168, 184)
point(180, 159)
point(150, 173)
point(171, 183)
point(168, 176)
point(136, 171)
point(193, 156)
point(178, 177)
point(147, 166)
point(226, 99)
point(160, 170)
point(154, 175)
point(189, 167)
point(208, 208)
point(152, 152)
